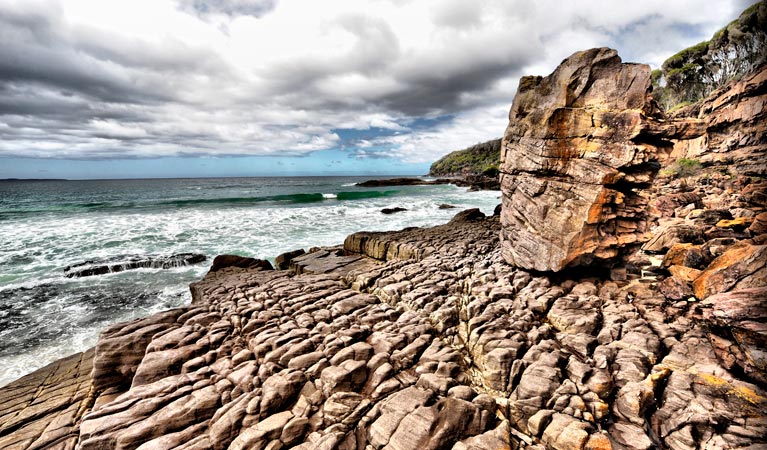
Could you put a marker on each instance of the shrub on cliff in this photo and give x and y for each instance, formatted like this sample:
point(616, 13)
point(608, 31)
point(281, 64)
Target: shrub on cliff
point(735, 50)
point(683, 168)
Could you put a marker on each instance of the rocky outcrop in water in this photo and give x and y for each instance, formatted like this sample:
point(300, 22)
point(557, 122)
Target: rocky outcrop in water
point(224, 261)
point(123, 263)
point(580, 146)
point(386, 182)
point(394, 210)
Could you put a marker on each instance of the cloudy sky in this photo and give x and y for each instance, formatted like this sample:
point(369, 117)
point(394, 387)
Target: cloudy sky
point(146, 88)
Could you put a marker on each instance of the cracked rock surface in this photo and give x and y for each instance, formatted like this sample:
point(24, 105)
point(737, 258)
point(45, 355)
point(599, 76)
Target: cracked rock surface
point(455, 349)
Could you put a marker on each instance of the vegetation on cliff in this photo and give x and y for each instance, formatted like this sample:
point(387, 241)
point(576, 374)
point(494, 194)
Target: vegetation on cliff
point(482, 158)
point(733, 51)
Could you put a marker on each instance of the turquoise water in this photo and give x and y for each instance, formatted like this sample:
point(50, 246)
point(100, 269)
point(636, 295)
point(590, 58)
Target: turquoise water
point(47, 226)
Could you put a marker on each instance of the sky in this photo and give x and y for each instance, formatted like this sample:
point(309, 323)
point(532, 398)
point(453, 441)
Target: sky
point(194, 88)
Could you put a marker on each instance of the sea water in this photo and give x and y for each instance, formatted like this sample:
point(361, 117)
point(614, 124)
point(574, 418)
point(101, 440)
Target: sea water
point(46, 226)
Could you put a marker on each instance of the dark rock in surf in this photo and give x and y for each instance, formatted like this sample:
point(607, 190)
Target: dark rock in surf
point(282, 262)
point(224, 261)
point(446, 206)
point(123, 263)
point(393, 210)
point(468, 215)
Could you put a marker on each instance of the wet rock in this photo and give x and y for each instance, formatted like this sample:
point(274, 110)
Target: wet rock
point(224, 261)
point(282, 261)
point(120, 264)
point(393, 210)
point(468, 215)
point(401, 182)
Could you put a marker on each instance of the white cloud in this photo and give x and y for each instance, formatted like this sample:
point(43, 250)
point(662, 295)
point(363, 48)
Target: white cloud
point(147, 78)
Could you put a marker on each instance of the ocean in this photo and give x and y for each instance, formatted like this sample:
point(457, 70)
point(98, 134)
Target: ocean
point(47, 226)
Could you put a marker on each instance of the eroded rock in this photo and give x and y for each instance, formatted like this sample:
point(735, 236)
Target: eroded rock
point(579, 142)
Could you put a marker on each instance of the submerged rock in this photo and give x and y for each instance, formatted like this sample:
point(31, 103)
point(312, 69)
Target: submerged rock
point(282, 261)
point(396, 209)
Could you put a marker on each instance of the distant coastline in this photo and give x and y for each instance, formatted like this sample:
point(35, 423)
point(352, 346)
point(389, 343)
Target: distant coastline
point(33, 179)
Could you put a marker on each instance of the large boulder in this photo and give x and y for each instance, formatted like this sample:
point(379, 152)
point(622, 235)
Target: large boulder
point(737, 327)
point(224, 261)
point(580, 146)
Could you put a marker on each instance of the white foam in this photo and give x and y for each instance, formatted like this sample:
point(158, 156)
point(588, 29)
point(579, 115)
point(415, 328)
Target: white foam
point(53, 242)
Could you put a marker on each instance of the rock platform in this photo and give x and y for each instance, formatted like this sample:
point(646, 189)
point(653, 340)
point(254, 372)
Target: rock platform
point(423, 338)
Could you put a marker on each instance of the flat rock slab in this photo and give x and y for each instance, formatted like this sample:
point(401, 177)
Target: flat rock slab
point(328, 262)
point(43, 409)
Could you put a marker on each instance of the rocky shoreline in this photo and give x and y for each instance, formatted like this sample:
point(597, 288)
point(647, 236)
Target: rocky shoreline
point(418, 337)
point(475, 182)
point(483, 333)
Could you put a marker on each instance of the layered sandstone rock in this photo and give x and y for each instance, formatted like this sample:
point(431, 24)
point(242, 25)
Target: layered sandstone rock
point(580, 145)
point(43, 410)
point(735, 118)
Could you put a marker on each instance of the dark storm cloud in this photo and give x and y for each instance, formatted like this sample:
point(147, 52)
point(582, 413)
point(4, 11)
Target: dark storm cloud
point(227, 77)
point(36, 50)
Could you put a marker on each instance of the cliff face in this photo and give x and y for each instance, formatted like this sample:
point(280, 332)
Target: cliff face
point(735, 118)
point(736, 50)
point(580, 146)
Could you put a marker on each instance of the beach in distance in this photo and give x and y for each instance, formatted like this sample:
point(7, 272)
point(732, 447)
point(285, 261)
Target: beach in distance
point(49, 225)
